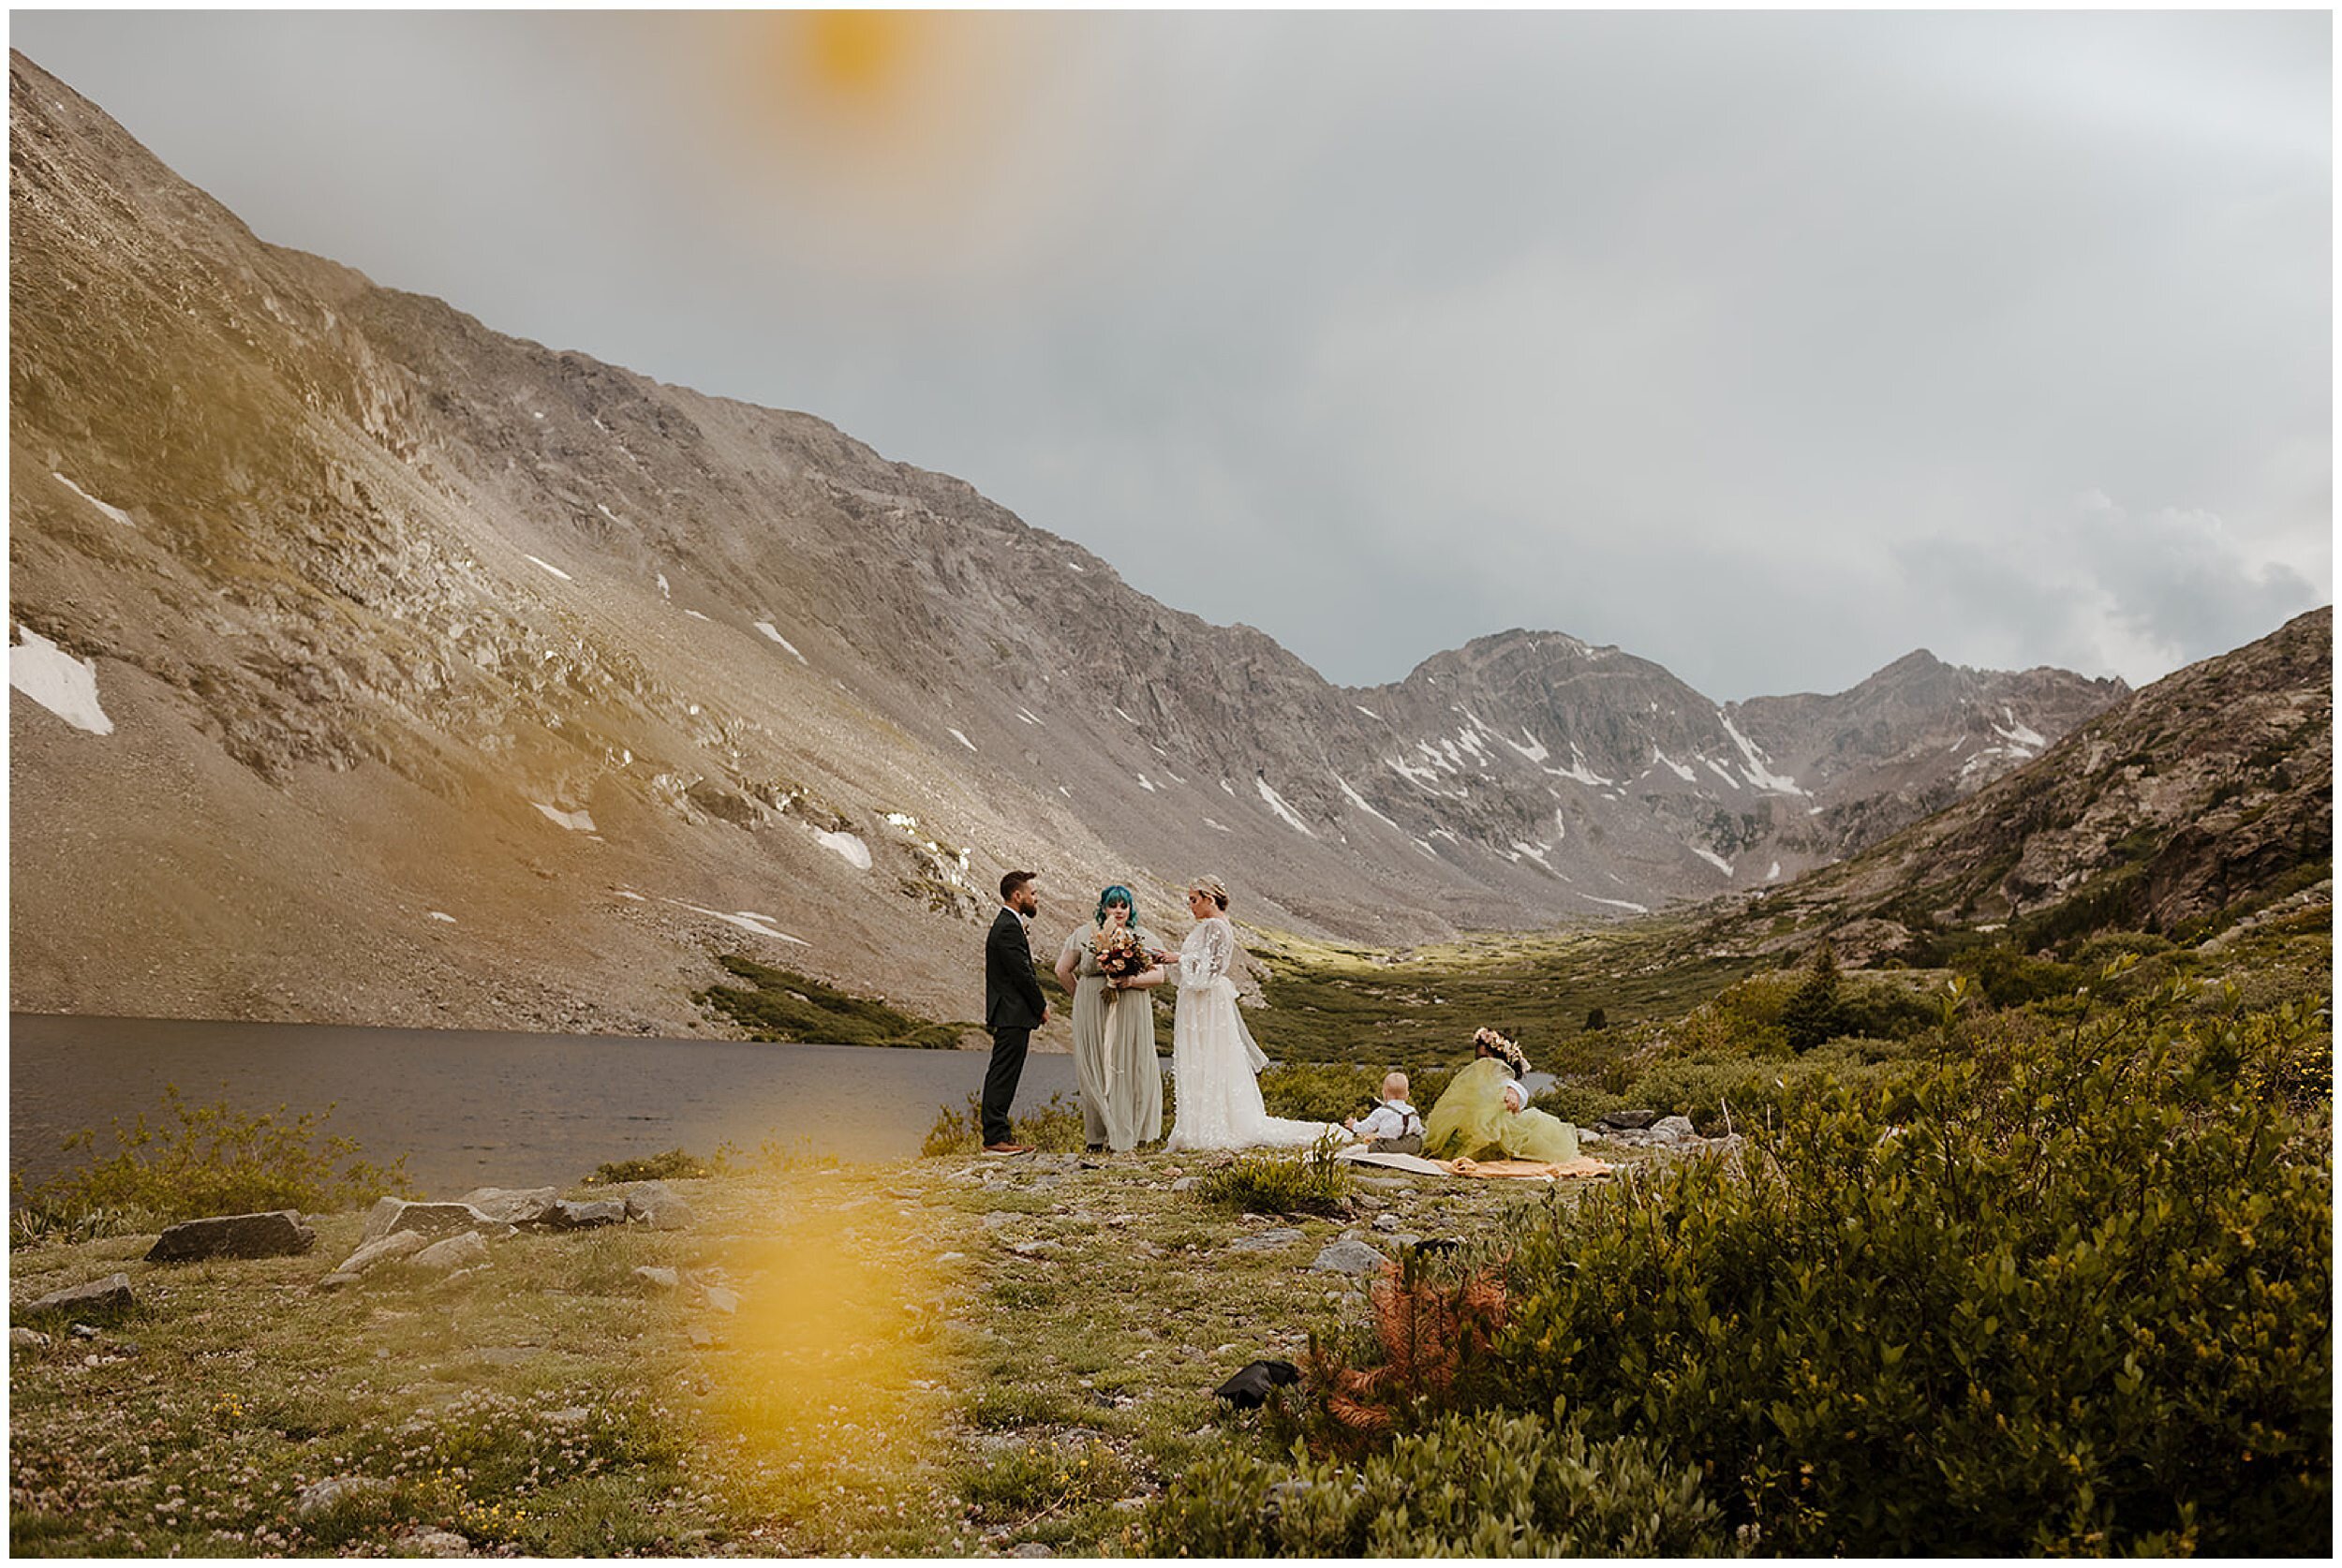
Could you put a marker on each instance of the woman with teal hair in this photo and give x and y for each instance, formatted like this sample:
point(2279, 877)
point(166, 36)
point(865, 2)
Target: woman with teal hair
point(1113, 1030)
point(1484, 1114)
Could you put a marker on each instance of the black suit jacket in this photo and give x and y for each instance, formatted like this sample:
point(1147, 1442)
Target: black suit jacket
point(1012, 992)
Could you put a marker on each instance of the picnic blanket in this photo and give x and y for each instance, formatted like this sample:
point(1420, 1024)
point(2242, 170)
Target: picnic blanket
point(1532, 1170)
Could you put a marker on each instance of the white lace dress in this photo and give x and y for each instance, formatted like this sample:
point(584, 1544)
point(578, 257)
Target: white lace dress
point(1213, 1059)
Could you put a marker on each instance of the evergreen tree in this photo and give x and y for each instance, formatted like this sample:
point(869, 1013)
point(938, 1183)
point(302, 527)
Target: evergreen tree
point(1814, 1013)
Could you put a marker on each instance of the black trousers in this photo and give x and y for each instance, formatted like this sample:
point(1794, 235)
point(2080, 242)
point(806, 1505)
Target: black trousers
point(999, 1082)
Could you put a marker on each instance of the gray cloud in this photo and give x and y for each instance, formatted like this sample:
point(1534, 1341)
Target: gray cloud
point(1766, 346)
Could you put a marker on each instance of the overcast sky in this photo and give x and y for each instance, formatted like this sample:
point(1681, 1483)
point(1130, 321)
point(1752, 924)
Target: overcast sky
point(1768, 347)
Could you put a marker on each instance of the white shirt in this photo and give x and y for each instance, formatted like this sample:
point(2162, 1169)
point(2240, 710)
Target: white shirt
point(1390, 1119)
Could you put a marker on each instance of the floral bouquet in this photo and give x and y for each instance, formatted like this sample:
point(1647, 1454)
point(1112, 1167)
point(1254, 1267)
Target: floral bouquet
point(1120, 955)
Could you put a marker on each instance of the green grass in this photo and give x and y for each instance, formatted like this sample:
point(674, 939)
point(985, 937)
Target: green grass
point(1331, 1003)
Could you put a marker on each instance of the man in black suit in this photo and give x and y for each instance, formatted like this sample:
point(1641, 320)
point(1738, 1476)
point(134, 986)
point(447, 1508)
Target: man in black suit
point(1014, 1006)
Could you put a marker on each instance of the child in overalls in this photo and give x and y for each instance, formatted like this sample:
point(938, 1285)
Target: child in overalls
point(1393, 1127)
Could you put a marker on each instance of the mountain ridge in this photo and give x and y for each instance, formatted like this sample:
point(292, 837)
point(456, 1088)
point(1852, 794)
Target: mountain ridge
point(565, 675)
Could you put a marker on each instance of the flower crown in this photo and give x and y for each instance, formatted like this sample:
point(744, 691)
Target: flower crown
point(1501, 1047)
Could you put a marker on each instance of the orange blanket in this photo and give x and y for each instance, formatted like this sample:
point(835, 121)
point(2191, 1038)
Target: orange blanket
point(1534, 1170)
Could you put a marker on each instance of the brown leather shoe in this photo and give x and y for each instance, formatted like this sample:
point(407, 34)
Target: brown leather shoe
point(1008, 1148)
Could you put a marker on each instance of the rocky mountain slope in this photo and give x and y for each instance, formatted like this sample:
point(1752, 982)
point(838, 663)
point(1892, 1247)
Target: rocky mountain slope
point(390, 670)
point(2211, 785)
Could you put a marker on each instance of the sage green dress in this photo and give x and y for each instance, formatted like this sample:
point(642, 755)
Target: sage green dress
point(1470, 1122)
point(1114, 1053)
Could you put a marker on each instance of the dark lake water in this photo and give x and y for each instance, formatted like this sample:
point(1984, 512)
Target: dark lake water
point(481, 1108)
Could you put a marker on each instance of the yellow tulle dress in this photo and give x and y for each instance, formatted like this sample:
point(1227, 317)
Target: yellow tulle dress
point(1470, 1122)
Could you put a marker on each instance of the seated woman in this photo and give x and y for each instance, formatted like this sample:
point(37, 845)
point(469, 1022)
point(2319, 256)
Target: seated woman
point(1485, 1112)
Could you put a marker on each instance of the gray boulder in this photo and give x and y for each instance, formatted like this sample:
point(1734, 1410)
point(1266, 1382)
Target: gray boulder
point(655, 1205)
point(398, 1244)
point(567, 1216)
point(275, 1235)
point(663, 1279)
point(457, 1251)
point(1672, 1130)
point(1348, 1256)
point(723, 1300)
point(110, 1294)
point(1616, 1119)
point(392, 1215)
point(32, 1338)
point(524, 1205)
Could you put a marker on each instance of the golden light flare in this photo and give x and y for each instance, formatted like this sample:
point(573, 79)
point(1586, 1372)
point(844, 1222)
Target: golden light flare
point(857, 53)
point(872, 145)
point(827, 1395)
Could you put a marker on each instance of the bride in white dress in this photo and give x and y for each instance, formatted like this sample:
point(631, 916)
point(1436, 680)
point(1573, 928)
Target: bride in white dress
point(1213, 1059)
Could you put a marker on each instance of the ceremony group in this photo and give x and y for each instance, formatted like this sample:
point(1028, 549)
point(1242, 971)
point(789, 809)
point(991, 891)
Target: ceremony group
point(1111, 965)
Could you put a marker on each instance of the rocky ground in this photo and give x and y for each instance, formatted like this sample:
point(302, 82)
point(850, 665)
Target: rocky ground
point(958, 1356)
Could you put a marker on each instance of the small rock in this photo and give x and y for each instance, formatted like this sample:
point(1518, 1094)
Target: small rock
point(567, 1216)
point(726, 1301)
point(1030, 1548)
point(275, 1235)
point(1672, 1130)
point(1615, 1119)
point(522, 1205)
point(391, 1215)
point(456, 1251)
point(1035, 1249)
point(32, 1336)
point(1185, 1183)
point(1405, 1238)
point(85, 1331)
point(398, 1244)
point(319, 1496)
point(110, 1294)
point(1388, 1222)
point(654, 1205)
point(1348, 1256)
point(1266, 1241)
point(700, 1336)
point(665, 1278)
point(428, 1541)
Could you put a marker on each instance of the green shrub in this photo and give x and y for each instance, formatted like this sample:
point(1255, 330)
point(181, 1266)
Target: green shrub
point(2012, 978)
point(1484, 1484)
point(672, 1165)
point(2074, 1294)
point(1279, 1181)
point(2107, 946)
point(1055, 1126)
point(782, 1005)
point(1580, 1104)
point(205, 1160)
point(1331, 1091)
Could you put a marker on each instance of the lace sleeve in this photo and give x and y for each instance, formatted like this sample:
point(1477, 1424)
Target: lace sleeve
point(1209, 951)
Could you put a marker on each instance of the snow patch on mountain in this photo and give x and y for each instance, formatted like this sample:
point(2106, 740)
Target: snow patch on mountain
point(747, 920)
point(769, 629)
point(115, 512)
point(1660, 759)
point(1277, 803)
point(576, 822)
point(66, 686)
point(537, 560)
point(846, 847)
point(1758, 770)
point(1359, 801)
